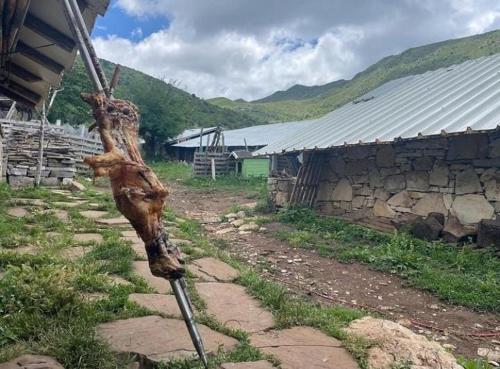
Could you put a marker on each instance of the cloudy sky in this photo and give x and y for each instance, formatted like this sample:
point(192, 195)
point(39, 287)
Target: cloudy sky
point(251, 48)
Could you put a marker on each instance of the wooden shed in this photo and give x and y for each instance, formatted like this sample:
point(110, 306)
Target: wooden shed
point(248, 166)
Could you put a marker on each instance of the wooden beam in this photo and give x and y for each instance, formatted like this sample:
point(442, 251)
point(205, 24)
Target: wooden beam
point(22, 91)
point(16, 97)
point(50, 33)
point(39, 58)
point(22, 73)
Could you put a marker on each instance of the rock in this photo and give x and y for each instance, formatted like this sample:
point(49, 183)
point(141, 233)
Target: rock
point(93, 214)
point(430, 203)
point(495, 148)
point(180, 241)
point(397, 344)
point(76, 186)
point(381, 194)
point(121, 220)
point(492, 190)
point(164, 304)
point(395, 183)
point(385, 156)
point(241, 214)
point(488, 233)
point(304, 347)
point(211, 270)
point(427, 229)
point(417, 181)
point(232, 306)
point(231, 216)
point(439, 217)
point(32, 362)
point(29, 202)
point(381, 209)
point(489, 353)
point(261, 364)
point(439, 175)
point(424, 163)
point(401, 199)
point(472, 208)
point(342, 191)
point(73, 253)
point(249, 227)
point(358, 201)
point(161, 285)
point(49, 181)
point(88, 237)
point(454, 231)
point(375, 178)
point(473, 146)
point(17, 212)
point(224, 231)
point(61, 215)
point(157, 339)
point(16, 181)
point(467, 182)
point(238, 222)
point(66, 204)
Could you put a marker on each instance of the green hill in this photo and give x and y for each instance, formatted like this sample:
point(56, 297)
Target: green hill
point(290, 104)
point(165, 110)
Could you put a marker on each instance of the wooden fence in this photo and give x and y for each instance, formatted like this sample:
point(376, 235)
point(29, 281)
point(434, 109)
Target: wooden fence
point(202, 165)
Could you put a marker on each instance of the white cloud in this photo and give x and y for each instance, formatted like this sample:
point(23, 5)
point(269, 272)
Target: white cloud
point(249, 49)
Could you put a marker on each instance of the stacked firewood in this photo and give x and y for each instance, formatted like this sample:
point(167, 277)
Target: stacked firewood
point(21, 152)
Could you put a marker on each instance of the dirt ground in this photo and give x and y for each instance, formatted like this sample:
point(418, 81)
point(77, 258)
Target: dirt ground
point(328, 281)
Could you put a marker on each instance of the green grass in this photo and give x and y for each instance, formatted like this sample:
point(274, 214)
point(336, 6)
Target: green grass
point(253, 188)
point(461, 275)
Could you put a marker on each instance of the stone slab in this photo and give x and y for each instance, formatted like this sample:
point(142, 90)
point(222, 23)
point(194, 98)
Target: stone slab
point(17, 212)
point(140, 249)
point(261, 364)
point(63, 204)
point(61, 215)
point(180, 241)
point(211, 270)
point(161, 285)
point(32, 362)
point(93, 214)
point(157, 339)
point(25, 201)
point(74, 253)
point(164, 304)
point(88, 237)
point(304, 347)
point(232, 306)
point(472, 208)
point(113, 221)
point(119, 281)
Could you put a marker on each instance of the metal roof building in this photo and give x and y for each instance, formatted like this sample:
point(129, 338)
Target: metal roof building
point(38, 46)
point(454, 99)
point(255, 136)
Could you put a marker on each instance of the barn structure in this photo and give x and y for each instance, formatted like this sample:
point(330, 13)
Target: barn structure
point(248, 139)
point(422, 144)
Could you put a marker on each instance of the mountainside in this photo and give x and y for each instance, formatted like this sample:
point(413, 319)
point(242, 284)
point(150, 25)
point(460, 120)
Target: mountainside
point(289, 105)
point(301, 92)
point(165, 110)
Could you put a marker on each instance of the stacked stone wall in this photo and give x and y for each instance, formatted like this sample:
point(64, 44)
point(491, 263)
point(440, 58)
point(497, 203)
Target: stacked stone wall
point(454, 175)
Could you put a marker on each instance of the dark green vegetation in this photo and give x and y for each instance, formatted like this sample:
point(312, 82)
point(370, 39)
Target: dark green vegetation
point(165, 109)
point(460, 275)
point(302, 103)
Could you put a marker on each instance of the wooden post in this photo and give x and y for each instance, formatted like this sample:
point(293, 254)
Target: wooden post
point(213, 168)
point(41, 140)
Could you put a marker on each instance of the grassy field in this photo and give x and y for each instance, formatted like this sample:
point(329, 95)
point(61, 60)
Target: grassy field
point(460, 275)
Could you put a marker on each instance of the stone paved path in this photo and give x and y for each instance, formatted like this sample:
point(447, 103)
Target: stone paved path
point(88, 237)
point(73, 253)
point(232, 306)
point(164, 304)
point(93, 214)
point(161, 285)
point(157, 339)
point(261, 364)
point(137, 243)
point(17, 212)
point(113, 221)
point(304, 347)
point(212, 270)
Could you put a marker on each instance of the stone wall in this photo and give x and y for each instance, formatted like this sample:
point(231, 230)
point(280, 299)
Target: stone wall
point(280, 190)
point(456, 175)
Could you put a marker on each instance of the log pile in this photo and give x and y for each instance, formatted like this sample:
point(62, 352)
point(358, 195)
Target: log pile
point(21, 151)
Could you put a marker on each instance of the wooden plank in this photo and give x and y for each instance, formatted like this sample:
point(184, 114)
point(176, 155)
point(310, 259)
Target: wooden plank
point(49, 33)
point(23, 73)
point(39, 58)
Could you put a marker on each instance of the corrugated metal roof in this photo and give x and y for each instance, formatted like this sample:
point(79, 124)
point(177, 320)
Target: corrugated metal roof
point(44, 50)
point(448, 99)
point(188, 134)
point(255, 136)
